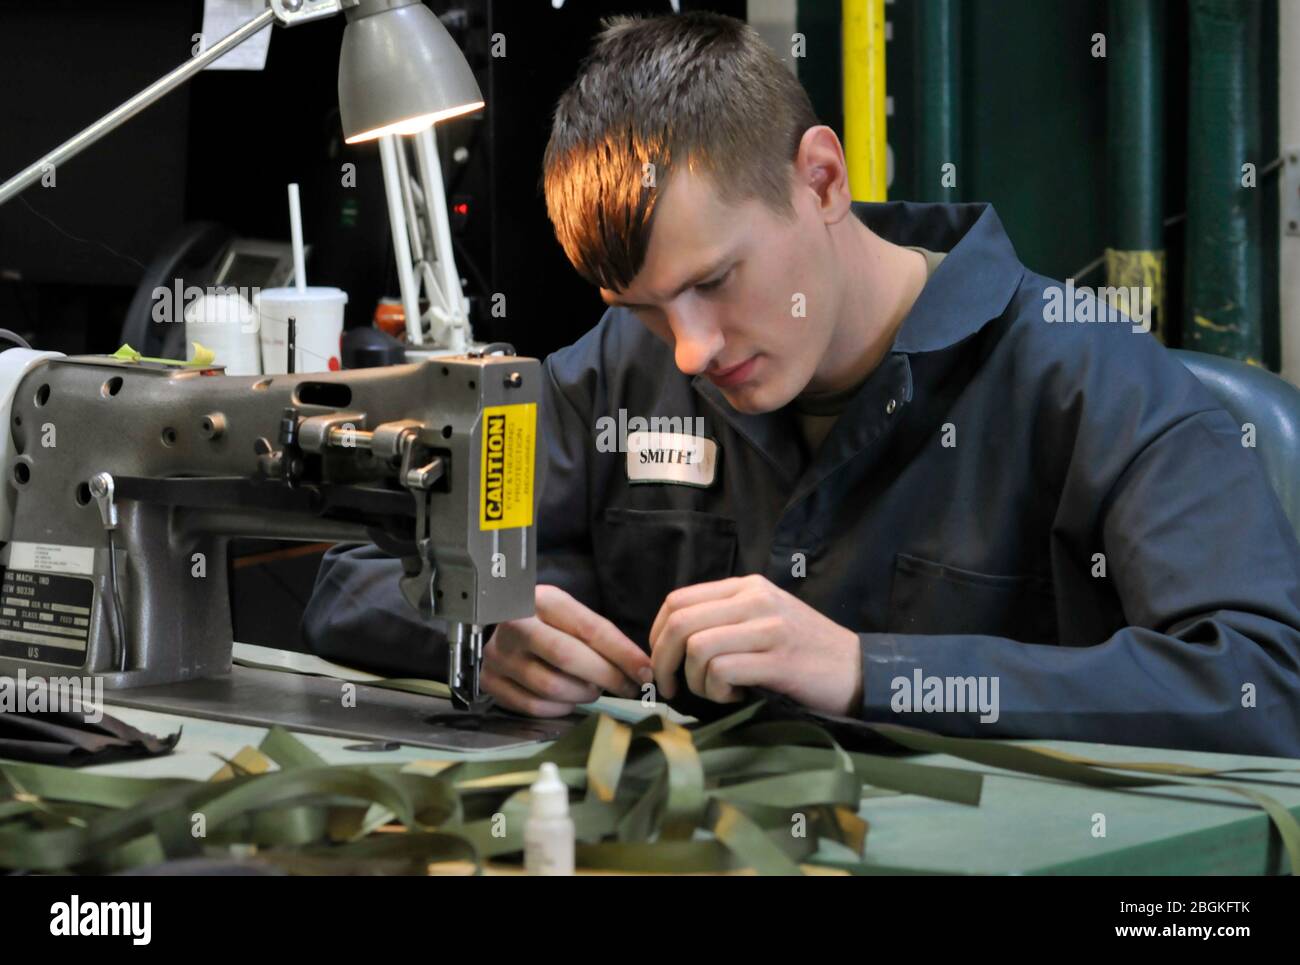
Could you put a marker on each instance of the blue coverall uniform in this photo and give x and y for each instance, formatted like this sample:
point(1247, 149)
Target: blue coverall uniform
point(1056, 504)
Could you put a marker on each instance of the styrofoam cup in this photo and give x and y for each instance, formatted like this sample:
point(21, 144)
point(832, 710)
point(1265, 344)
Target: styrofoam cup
point(318, 311)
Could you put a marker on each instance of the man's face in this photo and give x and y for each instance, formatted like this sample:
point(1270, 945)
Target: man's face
point(741, 295)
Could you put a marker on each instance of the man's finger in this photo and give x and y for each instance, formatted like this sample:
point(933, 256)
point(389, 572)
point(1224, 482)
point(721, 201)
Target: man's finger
point(548, 682)
point(669, 648)
point(706, 647)
point(511, 696)
point(563, 612)
point(575, 658)
point(691, 595)
point(727, 676)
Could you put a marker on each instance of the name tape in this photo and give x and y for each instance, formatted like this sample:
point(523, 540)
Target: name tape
point(671, 457)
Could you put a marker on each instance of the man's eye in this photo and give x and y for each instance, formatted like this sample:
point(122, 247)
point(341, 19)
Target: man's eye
point(708, 286)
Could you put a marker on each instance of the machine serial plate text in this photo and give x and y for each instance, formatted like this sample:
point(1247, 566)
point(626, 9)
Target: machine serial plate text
point(45, 617)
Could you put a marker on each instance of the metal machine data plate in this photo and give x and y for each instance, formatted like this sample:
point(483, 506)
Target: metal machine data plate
point(314, 705)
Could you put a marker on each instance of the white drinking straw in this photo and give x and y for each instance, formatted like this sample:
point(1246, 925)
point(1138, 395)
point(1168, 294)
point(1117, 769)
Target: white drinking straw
point(295, 228)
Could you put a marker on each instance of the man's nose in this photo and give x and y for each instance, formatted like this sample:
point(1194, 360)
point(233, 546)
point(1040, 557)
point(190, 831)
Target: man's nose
point(696, 343)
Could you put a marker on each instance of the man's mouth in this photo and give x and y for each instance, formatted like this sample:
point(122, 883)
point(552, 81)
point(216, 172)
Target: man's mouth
point(733, 375)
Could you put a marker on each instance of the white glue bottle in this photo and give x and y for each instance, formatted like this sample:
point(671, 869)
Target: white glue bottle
point(548, 832)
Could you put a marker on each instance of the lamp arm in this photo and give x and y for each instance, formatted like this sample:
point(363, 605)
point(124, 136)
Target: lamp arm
point(284, 12)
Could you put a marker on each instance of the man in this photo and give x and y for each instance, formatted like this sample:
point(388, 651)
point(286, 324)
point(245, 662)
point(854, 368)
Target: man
point(896, 482)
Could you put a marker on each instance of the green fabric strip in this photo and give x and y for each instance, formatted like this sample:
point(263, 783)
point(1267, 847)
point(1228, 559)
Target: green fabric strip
point(649, 797)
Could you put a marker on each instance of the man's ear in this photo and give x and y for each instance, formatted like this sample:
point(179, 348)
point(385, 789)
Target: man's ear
point(819, 168)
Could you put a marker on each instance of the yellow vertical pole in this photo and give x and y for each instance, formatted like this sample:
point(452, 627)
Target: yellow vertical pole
point(865, 149)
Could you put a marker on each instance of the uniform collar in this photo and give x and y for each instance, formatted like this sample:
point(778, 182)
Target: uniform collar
point(970, 287)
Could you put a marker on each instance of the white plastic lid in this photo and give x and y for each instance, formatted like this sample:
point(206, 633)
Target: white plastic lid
point(548, 797)
point(312, 293)
point(225, 308)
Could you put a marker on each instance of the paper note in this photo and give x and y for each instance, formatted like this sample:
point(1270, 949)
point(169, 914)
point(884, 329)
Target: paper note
point(224, 17)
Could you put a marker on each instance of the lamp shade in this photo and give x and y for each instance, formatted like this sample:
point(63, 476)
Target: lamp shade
point(400, 71)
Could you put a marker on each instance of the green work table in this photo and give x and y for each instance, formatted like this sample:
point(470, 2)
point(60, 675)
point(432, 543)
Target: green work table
point(1023, 825)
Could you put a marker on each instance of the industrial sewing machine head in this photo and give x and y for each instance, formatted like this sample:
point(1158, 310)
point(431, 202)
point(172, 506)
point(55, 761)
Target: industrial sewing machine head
point(123, 482)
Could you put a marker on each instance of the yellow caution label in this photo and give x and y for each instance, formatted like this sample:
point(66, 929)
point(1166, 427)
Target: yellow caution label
point(509, 459)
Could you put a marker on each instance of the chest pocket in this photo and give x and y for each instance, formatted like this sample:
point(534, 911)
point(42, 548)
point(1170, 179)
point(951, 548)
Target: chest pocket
point(934, 598)
point(643, 555)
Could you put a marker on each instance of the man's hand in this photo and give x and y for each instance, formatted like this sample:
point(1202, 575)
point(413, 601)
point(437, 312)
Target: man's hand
point(748, 632)
point(565, 655)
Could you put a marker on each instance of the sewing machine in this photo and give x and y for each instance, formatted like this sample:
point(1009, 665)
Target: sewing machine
point(124, 480)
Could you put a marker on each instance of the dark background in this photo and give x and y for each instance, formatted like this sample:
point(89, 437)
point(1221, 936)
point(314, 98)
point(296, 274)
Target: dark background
point(223, 147)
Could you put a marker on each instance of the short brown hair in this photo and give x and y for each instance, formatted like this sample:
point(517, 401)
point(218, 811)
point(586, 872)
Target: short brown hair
point(699, 89)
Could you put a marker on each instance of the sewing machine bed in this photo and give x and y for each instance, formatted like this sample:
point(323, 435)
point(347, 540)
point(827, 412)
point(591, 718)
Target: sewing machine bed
point(316, 705)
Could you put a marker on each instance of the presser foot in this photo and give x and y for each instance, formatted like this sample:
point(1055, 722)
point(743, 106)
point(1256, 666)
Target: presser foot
point(466, 703)
point(465, 658)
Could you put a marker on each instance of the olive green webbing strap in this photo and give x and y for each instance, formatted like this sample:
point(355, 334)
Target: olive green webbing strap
point(654, 797)
point(410, 685)
point(648, 793)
